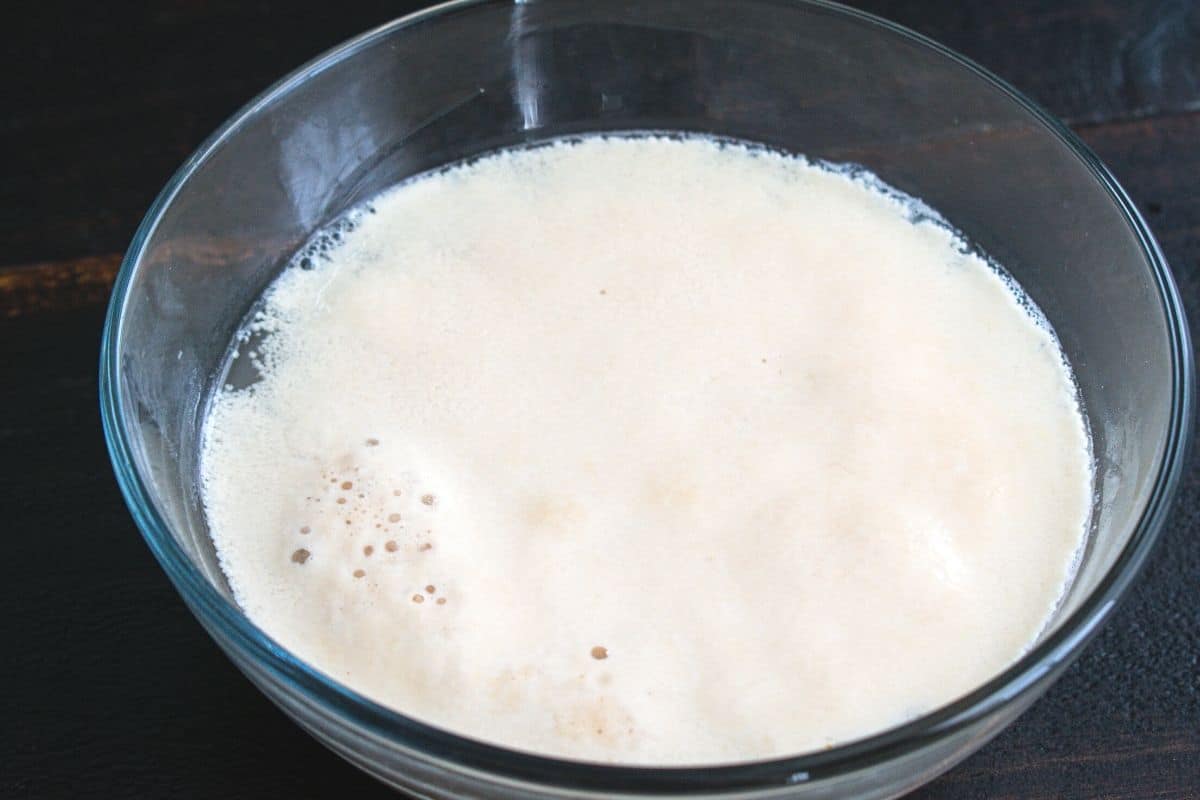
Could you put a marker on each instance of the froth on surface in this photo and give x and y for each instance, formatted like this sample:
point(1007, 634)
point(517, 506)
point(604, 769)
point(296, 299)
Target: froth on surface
point(649, 451)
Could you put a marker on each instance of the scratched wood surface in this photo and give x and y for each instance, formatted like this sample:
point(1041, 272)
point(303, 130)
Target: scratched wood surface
point(108, 688)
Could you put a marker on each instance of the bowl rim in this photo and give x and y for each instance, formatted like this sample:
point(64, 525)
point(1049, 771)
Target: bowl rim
point(495, 762)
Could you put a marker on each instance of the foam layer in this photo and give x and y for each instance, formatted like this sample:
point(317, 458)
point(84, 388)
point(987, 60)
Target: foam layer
point(649, 451)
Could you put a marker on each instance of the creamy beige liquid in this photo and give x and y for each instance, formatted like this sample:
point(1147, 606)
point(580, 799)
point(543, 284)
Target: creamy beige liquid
point(650, 451)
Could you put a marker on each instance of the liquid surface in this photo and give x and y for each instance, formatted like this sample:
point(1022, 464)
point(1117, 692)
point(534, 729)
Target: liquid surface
point(649, 451)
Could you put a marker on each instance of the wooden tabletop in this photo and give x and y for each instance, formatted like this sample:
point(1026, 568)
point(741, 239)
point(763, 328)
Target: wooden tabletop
point(108, 687)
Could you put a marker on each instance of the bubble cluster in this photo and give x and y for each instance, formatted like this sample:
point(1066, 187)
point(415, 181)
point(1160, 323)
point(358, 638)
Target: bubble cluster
point(354, 512)
point(318, 248)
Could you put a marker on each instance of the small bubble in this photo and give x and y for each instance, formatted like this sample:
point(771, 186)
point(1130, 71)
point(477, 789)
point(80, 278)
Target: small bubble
point(300, 556)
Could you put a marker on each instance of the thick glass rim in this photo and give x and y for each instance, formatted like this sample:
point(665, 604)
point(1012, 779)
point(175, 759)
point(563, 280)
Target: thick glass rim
point(451, 750)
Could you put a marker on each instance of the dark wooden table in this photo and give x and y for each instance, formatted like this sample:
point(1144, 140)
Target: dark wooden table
point(108, 688)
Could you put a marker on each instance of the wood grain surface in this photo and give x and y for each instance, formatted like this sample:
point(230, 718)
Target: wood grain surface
point(108, 688)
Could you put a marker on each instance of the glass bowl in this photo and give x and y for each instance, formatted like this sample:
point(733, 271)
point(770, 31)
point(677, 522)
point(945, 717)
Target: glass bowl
point(806, 77)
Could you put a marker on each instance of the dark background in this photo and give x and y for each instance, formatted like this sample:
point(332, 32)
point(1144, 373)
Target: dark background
point(108, 688)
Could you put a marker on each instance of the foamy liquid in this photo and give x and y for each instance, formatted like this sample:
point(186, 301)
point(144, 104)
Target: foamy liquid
point(649, 451)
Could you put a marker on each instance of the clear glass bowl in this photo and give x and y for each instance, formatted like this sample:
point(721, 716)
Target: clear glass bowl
point(807, 77)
